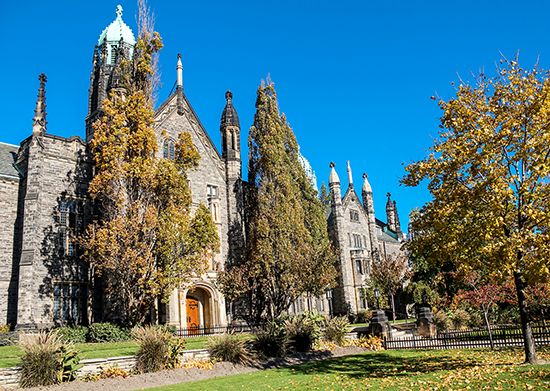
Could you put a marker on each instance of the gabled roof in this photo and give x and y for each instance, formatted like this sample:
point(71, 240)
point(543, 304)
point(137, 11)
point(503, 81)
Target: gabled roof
point(8, 154)
point(167, 108)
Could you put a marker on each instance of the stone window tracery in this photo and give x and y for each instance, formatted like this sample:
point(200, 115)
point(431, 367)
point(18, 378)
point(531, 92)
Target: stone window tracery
point(169, 149)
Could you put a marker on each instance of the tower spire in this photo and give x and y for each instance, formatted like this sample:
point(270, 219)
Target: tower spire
point(39, 121)
point(179, 85)
point(350, 175)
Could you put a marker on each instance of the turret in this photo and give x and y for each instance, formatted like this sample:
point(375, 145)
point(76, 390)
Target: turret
point(231, 153)
point(334, 186)
point(230, 129)
point(39, 120)
point(368, 204)
point(391, 214)
point(115, 41)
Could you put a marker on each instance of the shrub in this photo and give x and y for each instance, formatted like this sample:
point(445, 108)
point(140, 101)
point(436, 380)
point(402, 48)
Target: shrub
point(4, 328)
point(303, 331)
point(363, 316)
point(336, 329)
point(441, 320)
point(176, 346)
point(107, 332)
point(154, 348)
point(229, 347)
point(74, 334)
point(460, 318)
point(271, 340)
point(46, 360)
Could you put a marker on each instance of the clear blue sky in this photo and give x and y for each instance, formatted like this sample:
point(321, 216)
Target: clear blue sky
point(353, 77)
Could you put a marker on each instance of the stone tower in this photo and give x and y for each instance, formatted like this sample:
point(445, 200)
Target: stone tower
point(115, 42)
point(231, 154)
point(368, 204)
point(392, 216)
point(344, 295)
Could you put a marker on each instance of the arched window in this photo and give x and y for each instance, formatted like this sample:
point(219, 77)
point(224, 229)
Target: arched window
point(168, 149)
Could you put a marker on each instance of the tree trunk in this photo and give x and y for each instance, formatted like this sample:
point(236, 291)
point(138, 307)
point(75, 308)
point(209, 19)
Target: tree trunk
point(528, 340)
point(393, 307)
point(488, 326)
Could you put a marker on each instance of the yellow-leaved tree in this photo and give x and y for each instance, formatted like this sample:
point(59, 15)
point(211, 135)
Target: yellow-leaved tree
point(489, 176)
point(144, 240)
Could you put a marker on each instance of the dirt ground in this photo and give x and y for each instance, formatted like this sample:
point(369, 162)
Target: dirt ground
point(174, 376)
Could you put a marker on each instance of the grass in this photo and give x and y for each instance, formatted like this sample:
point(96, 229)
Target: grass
point(9, 355)
point(395, 370)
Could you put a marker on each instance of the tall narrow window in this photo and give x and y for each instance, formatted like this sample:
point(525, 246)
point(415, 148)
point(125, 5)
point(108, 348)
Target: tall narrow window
point(69, 226)
point(169, 149)
point(69, 302)
point(359, 266)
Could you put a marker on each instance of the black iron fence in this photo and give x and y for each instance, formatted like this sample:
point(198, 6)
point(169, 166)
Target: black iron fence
point(212, 330)
point(502, 336)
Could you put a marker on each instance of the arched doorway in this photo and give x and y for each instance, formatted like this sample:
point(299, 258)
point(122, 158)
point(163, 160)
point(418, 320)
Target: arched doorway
point(199, 309)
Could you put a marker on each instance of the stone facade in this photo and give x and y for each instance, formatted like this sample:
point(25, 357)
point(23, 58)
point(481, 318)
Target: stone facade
point(360, 239)
point(44, 206)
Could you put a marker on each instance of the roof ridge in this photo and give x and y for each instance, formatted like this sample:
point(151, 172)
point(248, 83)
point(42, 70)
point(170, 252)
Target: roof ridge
point(11, 145)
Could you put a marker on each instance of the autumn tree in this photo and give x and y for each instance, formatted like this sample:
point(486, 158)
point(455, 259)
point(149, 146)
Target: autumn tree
point(389, 273)
point(288, 249)
point(488, 174)
point(483, 295)
point(144, 241)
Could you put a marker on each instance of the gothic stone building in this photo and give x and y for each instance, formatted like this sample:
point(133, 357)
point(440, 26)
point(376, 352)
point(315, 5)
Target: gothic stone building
point(44, 206)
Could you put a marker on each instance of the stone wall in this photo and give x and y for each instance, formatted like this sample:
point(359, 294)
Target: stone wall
point(8, 214)
point(55, 170)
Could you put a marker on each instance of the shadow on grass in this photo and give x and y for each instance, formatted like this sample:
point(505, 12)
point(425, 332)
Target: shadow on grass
point(383, 365)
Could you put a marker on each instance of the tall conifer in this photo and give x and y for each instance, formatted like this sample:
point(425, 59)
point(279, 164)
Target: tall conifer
point(288, 250)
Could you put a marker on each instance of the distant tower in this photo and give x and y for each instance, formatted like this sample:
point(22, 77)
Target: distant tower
point(392, 216)
point(115, 42)
point(39, 121)
point(231, 153)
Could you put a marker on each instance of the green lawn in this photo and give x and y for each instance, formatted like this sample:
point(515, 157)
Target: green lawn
point(395, 370)
point(9, 355)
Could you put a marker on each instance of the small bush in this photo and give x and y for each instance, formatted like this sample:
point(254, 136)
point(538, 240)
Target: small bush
point(303, 331)
point(46, 360)
point(460, 318)
point(176, 346)
point(4, 328)
point(229, 348)
point(271, 341)
point(107, 332)
point(363, 316)
point(336, 329)
point(154, 348)
point(74, 334)
point(441, 320)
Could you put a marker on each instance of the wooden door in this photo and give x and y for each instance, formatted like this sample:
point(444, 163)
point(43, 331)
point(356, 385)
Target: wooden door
point(193, 319)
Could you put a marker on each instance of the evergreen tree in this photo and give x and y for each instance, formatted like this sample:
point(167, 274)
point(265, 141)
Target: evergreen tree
point(288, 250)
point(144, 241)
point(325, 195)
